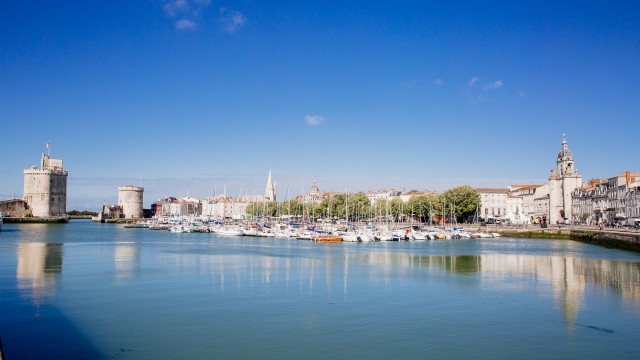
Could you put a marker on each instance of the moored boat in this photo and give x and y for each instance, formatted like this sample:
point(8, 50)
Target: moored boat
point(327, 238)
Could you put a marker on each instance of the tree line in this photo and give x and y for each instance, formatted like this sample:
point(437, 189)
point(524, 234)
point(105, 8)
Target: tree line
point(460, 202)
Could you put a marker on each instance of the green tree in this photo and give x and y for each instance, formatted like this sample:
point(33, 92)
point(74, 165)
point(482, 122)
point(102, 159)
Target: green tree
point(397, 208)
point(463, 199)
point(359, 206)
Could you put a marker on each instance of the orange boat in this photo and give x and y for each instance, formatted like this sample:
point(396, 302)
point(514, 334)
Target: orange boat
point(327, 238)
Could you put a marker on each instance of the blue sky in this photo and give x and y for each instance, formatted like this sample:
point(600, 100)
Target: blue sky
point(195, 96)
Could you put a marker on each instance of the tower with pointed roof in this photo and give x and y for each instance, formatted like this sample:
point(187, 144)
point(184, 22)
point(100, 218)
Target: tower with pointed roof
point(270, 189)
point(562, 182)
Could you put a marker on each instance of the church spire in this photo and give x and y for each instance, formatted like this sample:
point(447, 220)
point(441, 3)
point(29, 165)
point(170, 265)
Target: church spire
point(270, 189)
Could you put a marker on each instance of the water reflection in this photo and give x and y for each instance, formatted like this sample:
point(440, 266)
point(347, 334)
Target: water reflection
point(39, 265)
point(564, 278)
point(127, 260)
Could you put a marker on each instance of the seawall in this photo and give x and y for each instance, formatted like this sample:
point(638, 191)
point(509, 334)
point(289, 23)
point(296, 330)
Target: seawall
point(35, 220)
point(625, 240)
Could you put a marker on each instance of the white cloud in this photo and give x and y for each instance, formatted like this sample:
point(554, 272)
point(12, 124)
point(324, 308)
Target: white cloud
point(175, 7)
point(185, 24)
point(494, 85)
point(314, 120)
point(231, 20)
point(186, 11)
point(438, 82)
point(521, 93)
point(472, 82)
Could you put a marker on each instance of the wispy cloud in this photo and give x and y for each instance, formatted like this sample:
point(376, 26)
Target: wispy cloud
point(521, 93)
point(231, 20)
point(438, 82)
point(411, 83)
point(494, 85)
point(186, 12)
point(314, 120)
point(472, 83)
point(185, 24)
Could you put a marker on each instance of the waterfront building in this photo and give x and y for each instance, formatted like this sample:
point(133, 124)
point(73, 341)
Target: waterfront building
point(130, 200)
point(45, 188)
point(493, 202)
point(221, 206)
point(562, 183)
point(171, 206)
point(529, 193)
point(270, 189)
point(615, 199)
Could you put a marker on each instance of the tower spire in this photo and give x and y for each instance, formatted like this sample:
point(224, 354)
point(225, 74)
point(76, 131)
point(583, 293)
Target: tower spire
point(270, 189)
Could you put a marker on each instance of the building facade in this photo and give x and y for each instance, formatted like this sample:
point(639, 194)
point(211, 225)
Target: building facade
point(45, 188)
point(609, 201)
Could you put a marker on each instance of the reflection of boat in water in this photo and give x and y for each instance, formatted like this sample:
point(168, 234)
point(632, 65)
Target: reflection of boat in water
point(327, 238)
point(230, 232)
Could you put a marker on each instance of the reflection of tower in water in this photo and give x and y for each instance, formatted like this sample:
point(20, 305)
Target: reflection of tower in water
point(127, 260)
point(38, 267)
point(568, 287)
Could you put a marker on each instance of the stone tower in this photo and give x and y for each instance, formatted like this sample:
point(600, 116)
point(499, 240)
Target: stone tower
point(130, 199)
point(45, 188)
point(562, 182)
point(270, 189)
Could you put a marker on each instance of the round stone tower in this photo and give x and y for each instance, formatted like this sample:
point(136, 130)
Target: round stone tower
point(45, 188)
point(130, 199)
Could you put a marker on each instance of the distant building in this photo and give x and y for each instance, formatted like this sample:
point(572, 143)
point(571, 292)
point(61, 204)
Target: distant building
point(386, 195)
point(186, 206)
point(45, 188)
point(221, 207)
point(314, 196)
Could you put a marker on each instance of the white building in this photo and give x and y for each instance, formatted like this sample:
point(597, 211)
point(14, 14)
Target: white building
point(386, 195)
point(221, 207)
point(493, 202)
point(529, 194)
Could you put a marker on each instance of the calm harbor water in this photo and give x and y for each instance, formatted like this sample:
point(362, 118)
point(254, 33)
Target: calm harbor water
point(85, 290)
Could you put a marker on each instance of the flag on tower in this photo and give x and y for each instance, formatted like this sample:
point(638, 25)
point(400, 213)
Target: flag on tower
point(47, 145)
